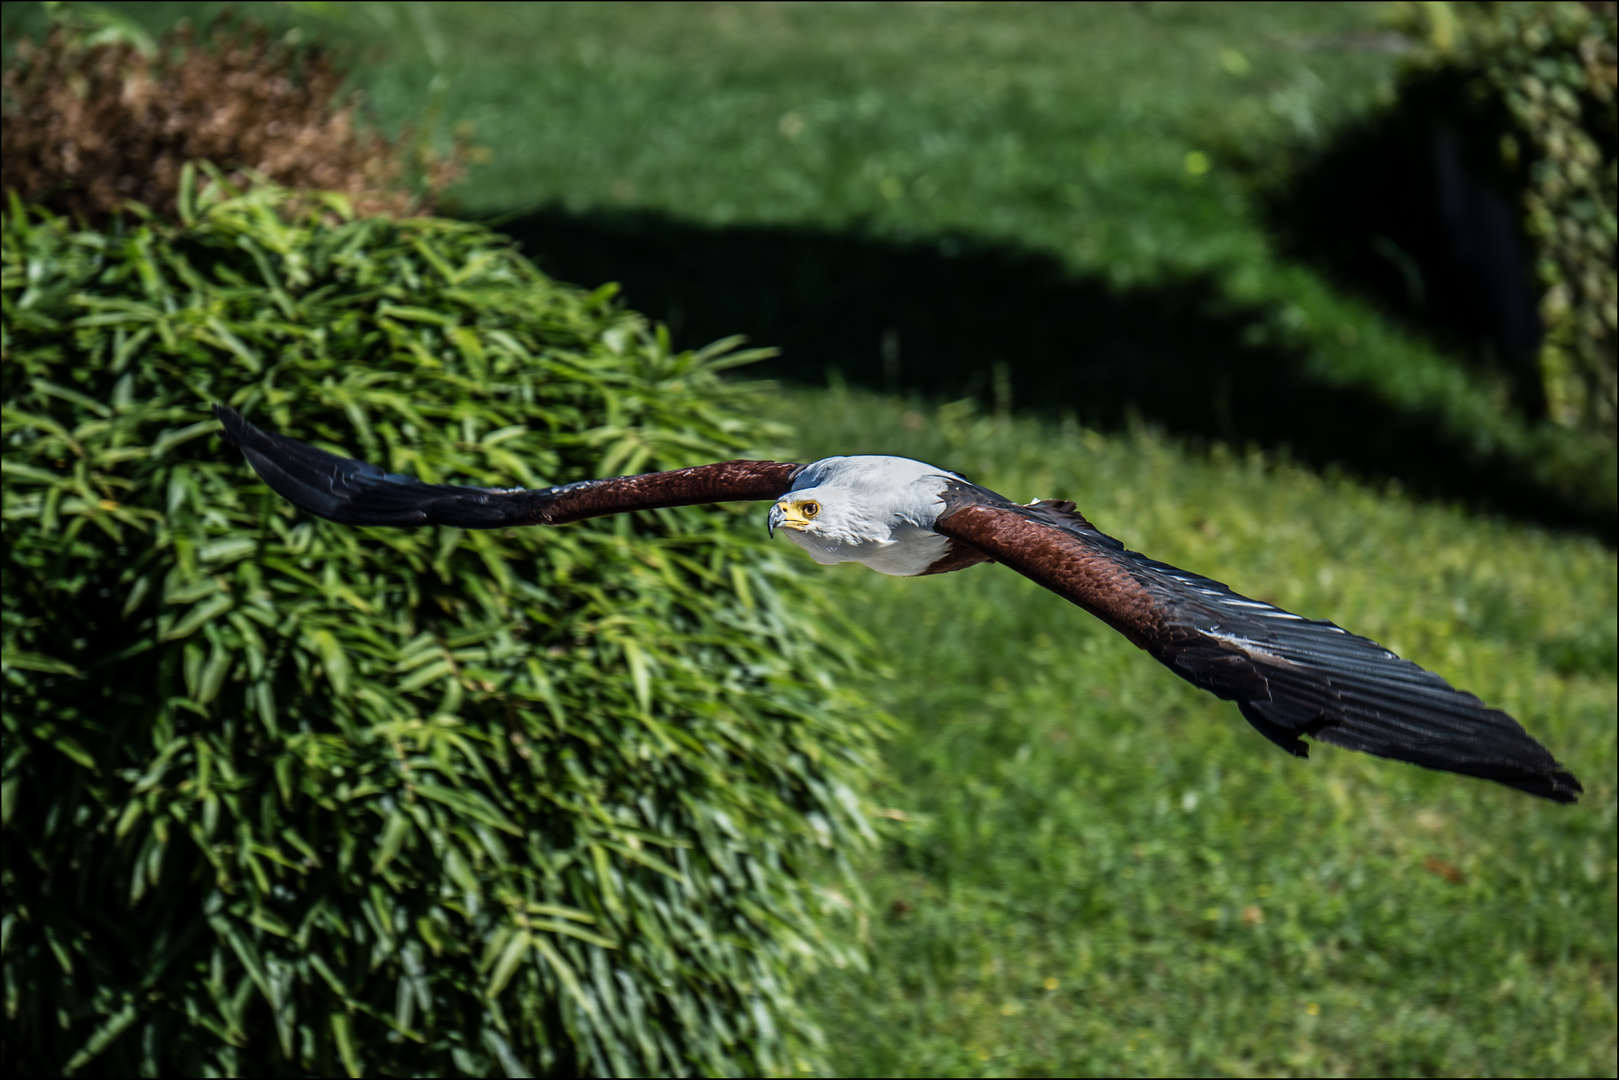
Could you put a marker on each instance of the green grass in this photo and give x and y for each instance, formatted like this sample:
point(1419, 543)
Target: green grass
point(1065, 127)
point(1092, 867)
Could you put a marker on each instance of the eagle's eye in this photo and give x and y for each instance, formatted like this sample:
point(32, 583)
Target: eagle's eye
point(809, 509)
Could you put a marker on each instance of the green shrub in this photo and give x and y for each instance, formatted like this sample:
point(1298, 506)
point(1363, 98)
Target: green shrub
point(282, 796)
point(1547, 70)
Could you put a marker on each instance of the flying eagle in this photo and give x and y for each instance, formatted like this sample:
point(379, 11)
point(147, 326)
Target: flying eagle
point(1290, 676)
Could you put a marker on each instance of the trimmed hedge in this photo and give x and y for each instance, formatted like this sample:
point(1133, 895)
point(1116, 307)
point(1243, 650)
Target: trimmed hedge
point(281, 796)
point(1546, 72)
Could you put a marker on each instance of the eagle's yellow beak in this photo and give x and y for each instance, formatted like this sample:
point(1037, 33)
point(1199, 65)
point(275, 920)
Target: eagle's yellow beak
point(787, 514)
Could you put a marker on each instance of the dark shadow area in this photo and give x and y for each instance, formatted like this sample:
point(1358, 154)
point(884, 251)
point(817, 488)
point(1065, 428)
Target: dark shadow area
point(942, 316)
point(1416, 208)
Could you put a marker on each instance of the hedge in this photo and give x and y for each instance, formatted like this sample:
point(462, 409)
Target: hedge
point(281, 796)
point(1546, 73)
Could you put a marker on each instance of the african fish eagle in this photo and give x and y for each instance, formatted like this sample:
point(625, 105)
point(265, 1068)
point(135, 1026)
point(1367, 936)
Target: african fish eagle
point(1289, 676)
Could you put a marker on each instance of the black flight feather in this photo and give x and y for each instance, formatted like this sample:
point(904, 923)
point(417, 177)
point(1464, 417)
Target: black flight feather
point(1289, 676)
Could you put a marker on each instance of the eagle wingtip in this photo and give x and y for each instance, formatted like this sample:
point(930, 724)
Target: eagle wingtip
point(1561, 786)
point(231, 423)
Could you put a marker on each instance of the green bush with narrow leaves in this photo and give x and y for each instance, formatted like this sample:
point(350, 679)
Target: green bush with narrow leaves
point(283, 796)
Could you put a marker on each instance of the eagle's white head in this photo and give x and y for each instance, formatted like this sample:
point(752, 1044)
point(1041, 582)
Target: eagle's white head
point(879, 511)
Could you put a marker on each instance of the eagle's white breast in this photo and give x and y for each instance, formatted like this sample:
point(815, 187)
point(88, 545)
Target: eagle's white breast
point(879, 511)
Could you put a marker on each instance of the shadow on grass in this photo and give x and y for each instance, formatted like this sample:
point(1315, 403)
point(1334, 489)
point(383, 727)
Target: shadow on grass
point(1413, 208)
point(949, 318)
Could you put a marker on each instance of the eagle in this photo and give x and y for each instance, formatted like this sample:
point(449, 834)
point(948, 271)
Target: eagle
point(1289, 676)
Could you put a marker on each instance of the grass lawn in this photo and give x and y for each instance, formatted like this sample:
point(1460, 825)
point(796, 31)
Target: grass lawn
point(1028, 211)
point(1094, 868)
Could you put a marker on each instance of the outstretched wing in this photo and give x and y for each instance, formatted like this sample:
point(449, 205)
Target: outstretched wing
point(353, 492)
point(1290, 676)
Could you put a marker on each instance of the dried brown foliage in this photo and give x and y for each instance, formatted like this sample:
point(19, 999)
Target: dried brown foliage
point(84, 130)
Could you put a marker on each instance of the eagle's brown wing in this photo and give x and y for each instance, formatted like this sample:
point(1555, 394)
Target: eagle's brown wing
point(353, 492)
point(1290, 676)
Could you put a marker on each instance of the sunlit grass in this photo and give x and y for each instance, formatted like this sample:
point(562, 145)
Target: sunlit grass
point(1095, 868)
